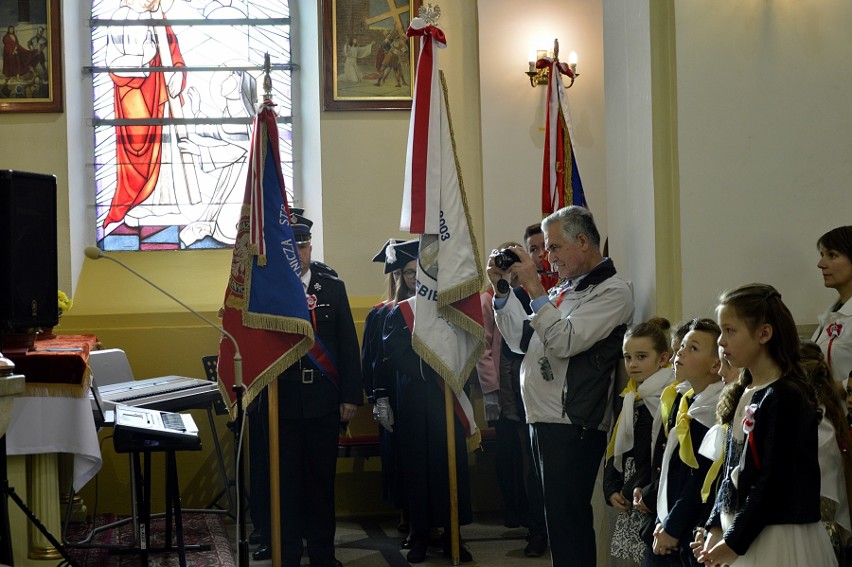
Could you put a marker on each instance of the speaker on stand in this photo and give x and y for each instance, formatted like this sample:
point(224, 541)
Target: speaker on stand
point(28, 256)
point(28, 297)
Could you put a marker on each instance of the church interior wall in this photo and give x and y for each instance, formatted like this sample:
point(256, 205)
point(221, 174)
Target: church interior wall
point(762, 143)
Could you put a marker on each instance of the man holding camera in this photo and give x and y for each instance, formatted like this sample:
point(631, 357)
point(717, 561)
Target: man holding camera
point(571, 345)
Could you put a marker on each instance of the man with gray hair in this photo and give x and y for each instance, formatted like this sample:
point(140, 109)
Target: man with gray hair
point(571, 345)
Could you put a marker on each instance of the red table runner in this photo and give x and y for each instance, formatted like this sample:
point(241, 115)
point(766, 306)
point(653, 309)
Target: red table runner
point(57, 367)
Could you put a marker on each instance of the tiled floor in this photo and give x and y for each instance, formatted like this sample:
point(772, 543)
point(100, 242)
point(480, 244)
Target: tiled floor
point(375, 542)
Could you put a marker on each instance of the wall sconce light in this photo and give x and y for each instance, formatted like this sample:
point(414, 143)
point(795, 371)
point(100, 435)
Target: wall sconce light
point(541, 64)
point(538, 75)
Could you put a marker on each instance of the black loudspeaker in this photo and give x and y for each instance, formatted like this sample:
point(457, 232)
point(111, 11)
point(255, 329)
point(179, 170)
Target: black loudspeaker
point(28, 260)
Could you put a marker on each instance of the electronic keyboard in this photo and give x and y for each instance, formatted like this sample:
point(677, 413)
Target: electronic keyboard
point(139, 428)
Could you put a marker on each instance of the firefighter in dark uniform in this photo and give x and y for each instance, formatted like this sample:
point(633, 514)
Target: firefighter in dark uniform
point(318, 395)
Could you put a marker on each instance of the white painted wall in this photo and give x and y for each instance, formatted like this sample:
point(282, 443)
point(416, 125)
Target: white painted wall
point(629, 166)
point(513, 113)
point(764, 93)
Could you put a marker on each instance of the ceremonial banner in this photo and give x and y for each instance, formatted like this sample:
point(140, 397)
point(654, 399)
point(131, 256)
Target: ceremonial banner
point(448, 331)
point(560, 181)
point(265, 306)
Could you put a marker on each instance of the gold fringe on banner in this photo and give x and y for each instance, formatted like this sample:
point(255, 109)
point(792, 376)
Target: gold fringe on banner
point(456, 383)
point(567, 167)
point(271, 373)
point(476, 259)
point(267, 322)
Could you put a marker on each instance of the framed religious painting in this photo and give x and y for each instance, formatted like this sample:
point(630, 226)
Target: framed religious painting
point(368, 60)
point(32, 56)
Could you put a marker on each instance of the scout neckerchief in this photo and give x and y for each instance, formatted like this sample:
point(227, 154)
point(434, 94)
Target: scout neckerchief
point(703, 410)
point(648, 391)
point(667, 402)
point(630, 396)
point(713, 448)
point(687, 455)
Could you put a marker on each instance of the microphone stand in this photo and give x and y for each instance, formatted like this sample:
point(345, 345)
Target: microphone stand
point(95, 253)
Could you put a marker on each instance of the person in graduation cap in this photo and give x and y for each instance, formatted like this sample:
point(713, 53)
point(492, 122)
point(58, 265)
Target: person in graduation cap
point(317, 395)
point(417, 419)
point(395, 257)
point(399, 260)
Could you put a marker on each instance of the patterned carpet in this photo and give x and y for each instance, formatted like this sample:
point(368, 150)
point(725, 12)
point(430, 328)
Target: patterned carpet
point(198, 528)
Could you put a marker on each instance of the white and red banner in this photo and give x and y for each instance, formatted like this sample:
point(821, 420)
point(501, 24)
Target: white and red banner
point(560, 180)
point(448, 332)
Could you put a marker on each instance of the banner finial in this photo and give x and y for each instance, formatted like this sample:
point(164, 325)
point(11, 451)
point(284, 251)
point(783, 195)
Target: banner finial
point(267, 78)
point(430, 14)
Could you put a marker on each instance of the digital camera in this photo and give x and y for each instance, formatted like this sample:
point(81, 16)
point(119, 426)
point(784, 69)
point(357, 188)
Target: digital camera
point(505, 258)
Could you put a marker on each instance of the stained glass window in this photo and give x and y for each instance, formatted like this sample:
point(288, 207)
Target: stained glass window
point(176, 83)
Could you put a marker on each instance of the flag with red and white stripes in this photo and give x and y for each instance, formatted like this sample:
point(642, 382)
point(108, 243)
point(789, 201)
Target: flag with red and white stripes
point(448, 331)
point(560, 181)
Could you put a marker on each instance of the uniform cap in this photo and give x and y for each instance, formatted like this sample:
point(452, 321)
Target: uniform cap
point(301, 225)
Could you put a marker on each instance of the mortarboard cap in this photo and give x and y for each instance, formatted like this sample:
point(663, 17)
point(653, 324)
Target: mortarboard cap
point(301, 225)
point(381, 255)
point(397, 253)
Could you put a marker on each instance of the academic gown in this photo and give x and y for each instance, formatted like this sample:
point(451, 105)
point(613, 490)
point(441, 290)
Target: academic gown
point(421, 426)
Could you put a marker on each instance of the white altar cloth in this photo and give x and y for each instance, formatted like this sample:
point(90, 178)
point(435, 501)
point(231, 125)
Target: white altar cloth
point(56, 425)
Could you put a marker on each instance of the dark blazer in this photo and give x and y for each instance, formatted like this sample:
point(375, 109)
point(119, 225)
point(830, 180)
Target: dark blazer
point(782, 485)
point(336, 329)
point(684, 483)
point(613, 480)
point(649, 491)
point(371, 346)
point(421, 432)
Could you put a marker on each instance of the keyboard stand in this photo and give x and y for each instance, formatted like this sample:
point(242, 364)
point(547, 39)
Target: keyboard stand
point(142, 489)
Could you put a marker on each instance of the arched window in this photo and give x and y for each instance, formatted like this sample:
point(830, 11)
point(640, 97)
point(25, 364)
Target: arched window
point(175, 87)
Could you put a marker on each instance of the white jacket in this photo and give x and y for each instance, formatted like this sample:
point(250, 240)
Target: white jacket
point(838, 351)
point(582, 319)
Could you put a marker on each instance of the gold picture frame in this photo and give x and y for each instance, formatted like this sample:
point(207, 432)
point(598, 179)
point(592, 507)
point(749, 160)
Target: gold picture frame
point(31, 79)
point(368, 61)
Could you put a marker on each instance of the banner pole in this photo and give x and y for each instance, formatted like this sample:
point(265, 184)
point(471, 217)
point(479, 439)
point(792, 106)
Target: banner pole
point(451, 463)
point(274, 475)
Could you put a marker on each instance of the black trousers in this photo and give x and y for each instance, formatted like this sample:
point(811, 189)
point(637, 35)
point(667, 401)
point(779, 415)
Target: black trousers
point(519, 482)
point(567, 458)
point(511, 450)
point(535, 498)
point(308, 451)
point(258, 424)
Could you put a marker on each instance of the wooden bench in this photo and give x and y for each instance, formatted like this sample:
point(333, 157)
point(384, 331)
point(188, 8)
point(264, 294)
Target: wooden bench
point(369, 446)
point(359, 446)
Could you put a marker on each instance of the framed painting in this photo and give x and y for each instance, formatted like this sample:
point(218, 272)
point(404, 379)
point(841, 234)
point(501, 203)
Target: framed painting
point(31, 78)
point(368, 61)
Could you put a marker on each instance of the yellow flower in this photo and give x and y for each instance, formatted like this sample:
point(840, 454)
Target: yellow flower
point(65, 302)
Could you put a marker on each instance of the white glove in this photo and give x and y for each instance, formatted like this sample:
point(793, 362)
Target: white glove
point(383, 413)
point(492, 406)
